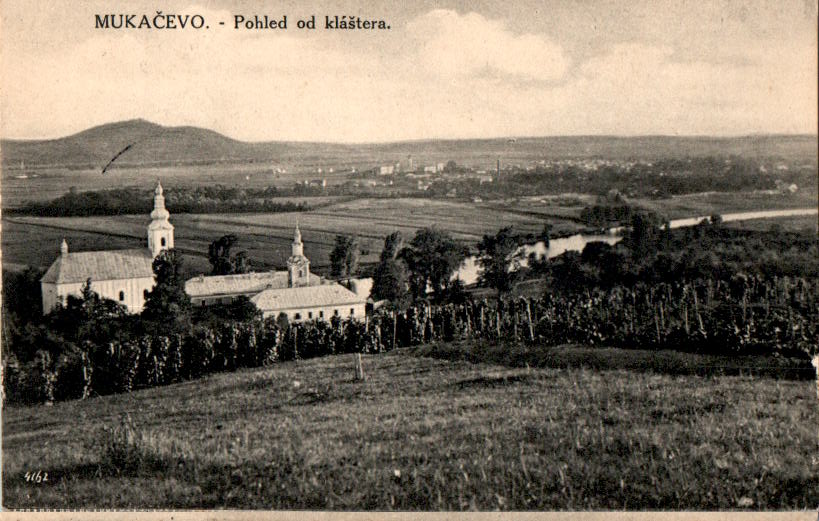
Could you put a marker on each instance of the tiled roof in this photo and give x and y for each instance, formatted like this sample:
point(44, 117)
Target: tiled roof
point(100, 265)
point(244, 283)
point(306, 297)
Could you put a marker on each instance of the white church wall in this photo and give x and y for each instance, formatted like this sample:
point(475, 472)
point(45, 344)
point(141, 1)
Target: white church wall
point(326, 313)
point(133, 292)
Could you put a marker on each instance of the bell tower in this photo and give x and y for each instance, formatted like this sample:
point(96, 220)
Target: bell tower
point(298, 266)
point(160, 231)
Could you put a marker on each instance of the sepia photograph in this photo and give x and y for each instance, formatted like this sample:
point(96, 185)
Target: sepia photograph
point(359, 256)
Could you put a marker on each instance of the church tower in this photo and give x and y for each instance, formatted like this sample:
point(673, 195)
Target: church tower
point(298, 266)
point(160, 231)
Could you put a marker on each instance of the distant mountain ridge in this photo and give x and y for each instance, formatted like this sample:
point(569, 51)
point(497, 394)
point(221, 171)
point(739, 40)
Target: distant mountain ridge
point(156, 145)
point(151, 144)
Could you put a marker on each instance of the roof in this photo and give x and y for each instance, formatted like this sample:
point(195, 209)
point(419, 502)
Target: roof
point(203, 286)
point(100, 265)
point(306, 297)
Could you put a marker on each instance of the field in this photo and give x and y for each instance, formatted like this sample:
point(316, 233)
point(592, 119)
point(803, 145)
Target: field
point(51, 183)
point(807, 224)
point(267, 237)
point(428, 434)
point(692, 205)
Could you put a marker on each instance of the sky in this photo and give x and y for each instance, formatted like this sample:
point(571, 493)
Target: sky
point(444, 69)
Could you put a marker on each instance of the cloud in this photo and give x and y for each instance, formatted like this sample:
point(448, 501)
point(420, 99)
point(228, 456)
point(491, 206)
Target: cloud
point(637, 88)
point(442, 74)
point(454, 45)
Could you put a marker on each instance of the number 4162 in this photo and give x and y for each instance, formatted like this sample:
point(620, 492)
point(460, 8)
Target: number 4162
point(36, 477)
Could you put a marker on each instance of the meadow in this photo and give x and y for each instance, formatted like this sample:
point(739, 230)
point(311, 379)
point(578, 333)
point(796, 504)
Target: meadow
point(806, 225)
point(424, 433)
point(267, 237)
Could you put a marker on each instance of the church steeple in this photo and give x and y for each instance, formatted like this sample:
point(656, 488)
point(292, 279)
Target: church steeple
point(64, 247)
point(297, 249)
point(160, 231)
point(298, 266)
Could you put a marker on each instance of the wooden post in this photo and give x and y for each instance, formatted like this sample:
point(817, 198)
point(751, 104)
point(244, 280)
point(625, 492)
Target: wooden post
point(394, 326)
point(359, 369)
point(662, 316)
point(657, 327)
point(815, 362)
point(529, 319)
point(697, 311)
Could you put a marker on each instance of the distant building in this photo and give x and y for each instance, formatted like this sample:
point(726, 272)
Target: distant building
point(786, 188)
point(124, 276)
point(296, 293)
point(386, 170)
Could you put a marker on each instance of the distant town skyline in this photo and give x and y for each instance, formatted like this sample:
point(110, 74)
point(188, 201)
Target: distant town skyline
point(444, 70)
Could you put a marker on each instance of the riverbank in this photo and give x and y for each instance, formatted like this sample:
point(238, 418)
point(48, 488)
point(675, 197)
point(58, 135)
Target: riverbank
point(469, 273)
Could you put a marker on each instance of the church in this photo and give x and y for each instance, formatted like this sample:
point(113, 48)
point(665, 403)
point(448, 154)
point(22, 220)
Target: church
point(296, 293)
point(126, 276)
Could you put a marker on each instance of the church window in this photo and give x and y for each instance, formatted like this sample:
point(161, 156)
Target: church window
point(162, 241)
point(145, 294)
point(321, 314)
point(352, 311)
point(301, 273)
point(335, 312)
point(309, 314)
point(298, 316)
point(121, 296)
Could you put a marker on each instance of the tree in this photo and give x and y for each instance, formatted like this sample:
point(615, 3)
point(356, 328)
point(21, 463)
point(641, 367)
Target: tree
point(390, 278)
point(392, 246)
point(390, 282)
point(344, 257)
point(546, 234)
point(167, 303)
point(432, 257)
point(221, 260)
point(644, 233)
point(499, 257)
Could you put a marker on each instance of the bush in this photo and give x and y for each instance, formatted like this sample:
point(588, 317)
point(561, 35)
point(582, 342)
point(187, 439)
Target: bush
point(126, 450)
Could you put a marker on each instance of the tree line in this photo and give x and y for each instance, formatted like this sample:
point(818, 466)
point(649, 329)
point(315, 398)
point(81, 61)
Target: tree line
point(705, 288)
point(131, 200)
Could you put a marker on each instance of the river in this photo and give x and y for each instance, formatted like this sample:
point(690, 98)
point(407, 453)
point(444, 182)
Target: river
point(470, 270)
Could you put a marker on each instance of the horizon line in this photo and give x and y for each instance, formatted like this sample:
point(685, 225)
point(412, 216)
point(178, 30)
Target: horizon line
point(423, 139)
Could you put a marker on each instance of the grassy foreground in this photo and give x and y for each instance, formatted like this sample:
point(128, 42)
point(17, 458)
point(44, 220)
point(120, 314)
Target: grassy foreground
point(425, 433)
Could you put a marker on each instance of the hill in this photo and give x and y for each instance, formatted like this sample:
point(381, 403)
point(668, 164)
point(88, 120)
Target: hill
point(156, 145)
point(423, 434)
point(151, 145)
